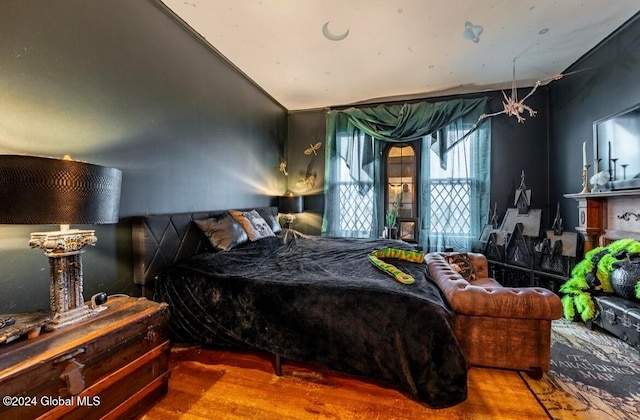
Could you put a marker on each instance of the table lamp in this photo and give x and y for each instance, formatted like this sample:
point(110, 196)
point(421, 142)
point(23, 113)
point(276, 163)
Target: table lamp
point(288, 205)
point(40, 190)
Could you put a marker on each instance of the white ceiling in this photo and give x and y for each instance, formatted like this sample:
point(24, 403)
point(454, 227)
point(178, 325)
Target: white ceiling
point(397, 48)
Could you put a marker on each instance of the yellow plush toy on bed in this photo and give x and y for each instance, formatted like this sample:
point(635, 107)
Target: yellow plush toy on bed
point(392, 270)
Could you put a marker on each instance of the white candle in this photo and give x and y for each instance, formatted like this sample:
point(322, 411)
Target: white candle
point(584, 153)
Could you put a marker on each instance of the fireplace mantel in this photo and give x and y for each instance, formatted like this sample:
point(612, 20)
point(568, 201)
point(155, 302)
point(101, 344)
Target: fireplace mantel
point(607, 216)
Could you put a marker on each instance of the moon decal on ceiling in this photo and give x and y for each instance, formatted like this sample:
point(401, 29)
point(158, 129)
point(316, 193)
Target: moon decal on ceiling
point(333, 37)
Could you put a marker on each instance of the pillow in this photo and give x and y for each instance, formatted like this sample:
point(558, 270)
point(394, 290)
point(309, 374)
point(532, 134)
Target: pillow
point(271, 220)
point(463, 265)
point(224, 233)
point(252, 223)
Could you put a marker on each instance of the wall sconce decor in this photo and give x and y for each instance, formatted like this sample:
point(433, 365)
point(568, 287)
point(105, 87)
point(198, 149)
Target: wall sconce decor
point(39, 191)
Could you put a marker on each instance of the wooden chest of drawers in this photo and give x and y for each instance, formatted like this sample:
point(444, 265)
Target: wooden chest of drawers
point(113, 365)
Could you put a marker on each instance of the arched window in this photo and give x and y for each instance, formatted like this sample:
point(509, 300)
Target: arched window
point(401, 190)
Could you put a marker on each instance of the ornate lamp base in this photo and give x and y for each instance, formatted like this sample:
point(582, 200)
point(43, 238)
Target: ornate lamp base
point(288, 219)
point(70, 317)
point(65, 268)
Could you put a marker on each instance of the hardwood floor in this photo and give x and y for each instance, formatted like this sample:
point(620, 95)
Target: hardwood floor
point(208, 384)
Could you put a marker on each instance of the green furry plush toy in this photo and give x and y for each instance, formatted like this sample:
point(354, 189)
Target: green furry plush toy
point(591, 275)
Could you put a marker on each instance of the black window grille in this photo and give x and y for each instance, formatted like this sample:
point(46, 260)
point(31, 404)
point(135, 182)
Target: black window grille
point(355, 208)
point(450, 206)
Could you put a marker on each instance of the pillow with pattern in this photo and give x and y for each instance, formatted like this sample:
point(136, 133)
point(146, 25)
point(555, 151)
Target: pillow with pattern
point(224, 233)
point(252, 223)
point(463, 265)
point(271, 220)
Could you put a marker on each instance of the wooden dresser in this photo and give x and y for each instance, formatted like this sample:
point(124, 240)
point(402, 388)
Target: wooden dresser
point(113, 365)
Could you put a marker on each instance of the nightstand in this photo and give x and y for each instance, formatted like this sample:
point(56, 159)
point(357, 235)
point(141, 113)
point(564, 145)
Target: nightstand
point(112, 365)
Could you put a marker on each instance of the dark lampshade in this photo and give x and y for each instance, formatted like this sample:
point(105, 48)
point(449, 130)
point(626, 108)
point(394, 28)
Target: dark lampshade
point(290, 204)
point(39, 190)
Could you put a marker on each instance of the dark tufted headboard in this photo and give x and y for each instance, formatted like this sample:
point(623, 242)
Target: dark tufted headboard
point(162, 240)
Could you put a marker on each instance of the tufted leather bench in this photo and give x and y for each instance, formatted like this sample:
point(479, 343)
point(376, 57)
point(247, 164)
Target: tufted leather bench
point(497, 326)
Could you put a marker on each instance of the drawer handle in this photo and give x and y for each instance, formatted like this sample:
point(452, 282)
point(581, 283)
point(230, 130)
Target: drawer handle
point(73, 378)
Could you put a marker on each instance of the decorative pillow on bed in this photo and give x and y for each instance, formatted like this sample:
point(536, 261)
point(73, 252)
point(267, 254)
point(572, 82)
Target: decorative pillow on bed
point(224, 233)
point(255, 226)
point(271, 220)
point(463, 265)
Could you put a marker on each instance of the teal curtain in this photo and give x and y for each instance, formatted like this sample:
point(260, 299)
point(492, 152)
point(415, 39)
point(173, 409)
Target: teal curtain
point(350, 135)
point(407, 122)
point(352, 180)
point(455, 185)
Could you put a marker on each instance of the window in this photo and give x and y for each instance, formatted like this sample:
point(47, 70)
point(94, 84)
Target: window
point(454, 192)
point(436, 199)
point(355, 203)
point(401, 164)
point(351, 199)
point(448, 192)
point(442, 203)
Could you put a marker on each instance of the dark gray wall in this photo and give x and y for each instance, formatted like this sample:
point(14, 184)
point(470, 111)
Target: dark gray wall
point(304, 129)
point(605, 82)
point(119, 83)
point(515, 147)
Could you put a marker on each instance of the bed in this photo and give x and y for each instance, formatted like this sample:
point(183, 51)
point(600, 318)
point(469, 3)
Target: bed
point(311, 299)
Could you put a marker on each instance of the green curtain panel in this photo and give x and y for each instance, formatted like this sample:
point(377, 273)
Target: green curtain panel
point(352, 180)
point(455, 186)
point(407, 122)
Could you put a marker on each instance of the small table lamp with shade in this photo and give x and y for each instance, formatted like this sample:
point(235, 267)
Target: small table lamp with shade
point(289, 204)
point(39, 190)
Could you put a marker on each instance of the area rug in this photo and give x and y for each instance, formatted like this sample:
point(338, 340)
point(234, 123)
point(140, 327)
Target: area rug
point(593, 375)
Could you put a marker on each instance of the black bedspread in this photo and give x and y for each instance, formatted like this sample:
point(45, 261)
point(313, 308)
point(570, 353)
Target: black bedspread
point(320, 300)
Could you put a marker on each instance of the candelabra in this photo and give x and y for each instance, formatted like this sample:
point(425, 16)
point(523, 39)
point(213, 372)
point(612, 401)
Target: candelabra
point(585, 180)
point(612, 169)
point(624, 170)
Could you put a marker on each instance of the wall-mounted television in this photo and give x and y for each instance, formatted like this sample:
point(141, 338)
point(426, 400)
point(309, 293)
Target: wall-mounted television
point(616, 142)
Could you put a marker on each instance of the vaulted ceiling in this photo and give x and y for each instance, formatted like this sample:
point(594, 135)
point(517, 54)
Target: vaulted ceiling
point(316, 53)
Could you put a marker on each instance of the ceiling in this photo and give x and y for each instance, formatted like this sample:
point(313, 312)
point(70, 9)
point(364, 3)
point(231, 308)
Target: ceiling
point(398, 48)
